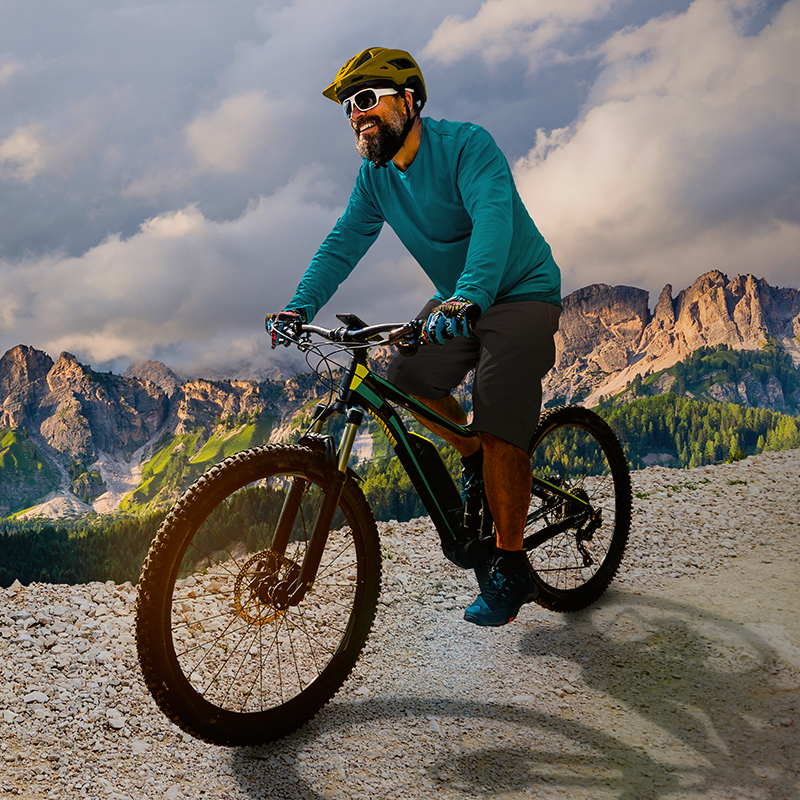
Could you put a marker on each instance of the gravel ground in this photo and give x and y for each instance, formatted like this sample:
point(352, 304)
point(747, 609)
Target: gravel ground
point(680, 683)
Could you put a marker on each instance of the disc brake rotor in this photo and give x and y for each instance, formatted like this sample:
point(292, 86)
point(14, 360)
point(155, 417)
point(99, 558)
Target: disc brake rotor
point(259, 585)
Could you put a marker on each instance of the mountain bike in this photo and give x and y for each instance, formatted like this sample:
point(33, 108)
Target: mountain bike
point(261, 585)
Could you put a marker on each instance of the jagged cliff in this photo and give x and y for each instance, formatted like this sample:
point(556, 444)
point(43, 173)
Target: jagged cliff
point(82, 438)
point(74, 440)
point(608, 336)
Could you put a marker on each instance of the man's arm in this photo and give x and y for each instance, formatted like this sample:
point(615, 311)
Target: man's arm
point(487, 190)
point(337, 256)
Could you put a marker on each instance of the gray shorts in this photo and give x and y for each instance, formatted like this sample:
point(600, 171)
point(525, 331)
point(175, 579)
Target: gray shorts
point(511, 350)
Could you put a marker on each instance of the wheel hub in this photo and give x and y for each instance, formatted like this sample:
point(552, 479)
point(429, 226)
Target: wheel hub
point(261, 590)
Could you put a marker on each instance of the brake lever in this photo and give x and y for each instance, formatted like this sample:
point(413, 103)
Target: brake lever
point(410, 331)
point(407, 338)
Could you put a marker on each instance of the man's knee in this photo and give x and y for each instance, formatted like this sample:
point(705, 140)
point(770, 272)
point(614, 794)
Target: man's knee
point(496, 444)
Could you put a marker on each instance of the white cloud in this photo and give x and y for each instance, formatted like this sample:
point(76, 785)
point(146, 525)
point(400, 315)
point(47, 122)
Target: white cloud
point(8, 68)
point(175, 225)
point(503, 28)
point(21, 153)
point(685, 159)
point(228, 138)
point(191, 287)
point(181, 277)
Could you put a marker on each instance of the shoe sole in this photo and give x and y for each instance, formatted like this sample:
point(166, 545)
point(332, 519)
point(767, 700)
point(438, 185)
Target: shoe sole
point(482, 624)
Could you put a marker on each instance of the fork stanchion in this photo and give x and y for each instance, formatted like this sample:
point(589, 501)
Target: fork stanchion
point(355, 417)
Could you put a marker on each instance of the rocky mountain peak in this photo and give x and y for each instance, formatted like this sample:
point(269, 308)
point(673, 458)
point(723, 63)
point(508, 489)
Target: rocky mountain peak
point(155, 372)
point(67, 374)
point(23, 379)
point(607, 336)
point(23, 364)
point(604, 322)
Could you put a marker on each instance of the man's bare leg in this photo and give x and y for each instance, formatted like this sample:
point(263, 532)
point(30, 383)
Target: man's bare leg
point(450, 409)
point(506, 472)
point(507, 476)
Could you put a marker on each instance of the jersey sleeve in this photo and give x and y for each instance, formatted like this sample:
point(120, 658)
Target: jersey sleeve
point(337, 256)
point(486, 185)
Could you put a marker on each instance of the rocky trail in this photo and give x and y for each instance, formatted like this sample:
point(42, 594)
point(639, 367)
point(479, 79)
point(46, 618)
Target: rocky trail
point(681, 683)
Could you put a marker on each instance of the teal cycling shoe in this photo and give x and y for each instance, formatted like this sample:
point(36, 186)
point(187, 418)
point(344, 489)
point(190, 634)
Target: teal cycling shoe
point(509, 586)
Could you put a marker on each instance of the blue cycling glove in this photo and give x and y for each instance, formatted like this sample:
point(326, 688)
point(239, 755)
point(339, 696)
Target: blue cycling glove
point(286, 322)
point(454, 317)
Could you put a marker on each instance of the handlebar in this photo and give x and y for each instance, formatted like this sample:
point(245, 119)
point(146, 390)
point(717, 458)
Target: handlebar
point(399, 333)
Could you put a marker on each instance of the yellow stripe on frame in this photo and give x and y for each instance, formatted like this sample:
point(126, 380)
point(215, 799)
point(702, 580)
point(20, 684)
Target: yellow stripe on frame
point(361, 373)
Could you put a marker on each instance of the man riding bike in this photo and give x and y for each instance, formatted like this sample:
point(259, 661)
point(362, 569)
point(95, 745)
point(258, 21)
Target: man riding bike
point(447, 191)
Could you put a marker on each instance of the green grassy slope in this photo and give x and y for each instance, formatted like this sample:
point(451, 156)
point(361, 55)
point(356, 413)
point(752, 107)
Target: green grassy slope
point(180, 459)
point(26, 475)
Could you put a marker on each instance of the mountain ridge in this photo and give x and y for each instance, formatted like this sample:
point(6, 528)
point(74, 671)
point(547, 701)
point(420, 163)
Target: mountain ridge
point(98, 441)
point(608, 336)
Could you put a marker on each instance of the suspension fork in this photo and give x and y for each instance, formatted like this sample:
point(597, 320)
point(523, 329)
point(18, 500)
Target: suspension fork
point(336, 474)
point(294, 497)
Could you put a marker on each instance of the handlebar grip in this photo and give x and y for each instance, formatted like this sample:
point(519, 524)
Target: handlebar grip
point(410, 331)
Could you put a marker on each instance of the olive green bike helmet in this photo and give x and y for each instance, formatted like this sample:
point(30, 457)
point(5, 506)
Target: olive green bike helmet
point(378, 65)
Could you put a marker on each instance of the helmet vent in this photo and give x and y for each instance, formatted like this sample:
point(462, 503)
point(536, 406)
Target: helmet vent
point(365, 56)
point(402, 63)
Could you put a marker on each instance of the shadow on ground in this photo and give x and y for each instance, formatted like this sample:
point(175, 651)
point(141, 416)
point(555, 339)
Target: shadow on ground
point(707, 686)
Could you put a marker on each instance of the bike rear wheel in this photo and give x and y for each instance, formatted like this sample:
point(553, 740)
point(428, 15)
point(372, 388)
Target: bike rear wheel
point(220, 655)
point(575, 449)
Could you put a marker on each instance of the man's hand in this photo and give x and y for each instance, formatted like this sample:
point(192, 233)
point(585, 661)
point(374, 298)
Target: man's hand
point(286, 322)
point(454, 317)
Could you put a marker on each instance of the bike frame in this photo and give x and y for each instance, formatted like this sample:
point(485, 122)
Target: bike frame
point(362, 388)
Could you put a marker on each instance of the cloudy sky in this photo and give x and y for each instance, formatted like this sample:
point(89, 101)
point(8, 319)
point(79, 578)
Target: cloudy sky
point(167, 169)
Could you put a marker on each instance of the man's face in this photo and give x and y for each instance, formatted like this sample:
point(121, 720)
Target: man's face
point(379, 130)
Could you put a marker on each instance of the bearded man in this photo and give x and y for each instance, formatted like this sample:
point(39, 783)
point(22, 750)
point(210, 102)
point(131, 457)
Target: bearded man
point(447, 191)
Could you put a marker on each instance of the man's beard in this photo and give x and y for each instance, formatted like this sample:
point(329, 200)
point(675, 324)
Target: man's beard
point(382, 144)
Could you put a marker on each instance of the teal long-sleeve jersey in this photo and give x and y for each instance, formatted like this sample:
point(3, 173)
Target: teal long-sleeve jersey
point(457, 211)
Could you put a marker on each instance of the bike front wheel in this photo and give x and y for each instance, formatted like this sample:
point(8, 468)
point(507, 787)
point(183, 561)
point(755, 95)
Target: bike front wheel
point(575, 450)
point(223, 654)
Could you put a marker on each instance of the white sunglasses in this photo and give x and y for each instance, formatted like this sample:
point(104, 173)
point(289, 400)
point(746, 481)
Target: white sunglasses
point(365, 100)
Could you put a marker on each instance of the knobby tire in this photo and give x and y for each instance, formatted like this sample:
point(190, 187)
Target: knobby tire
point(220, 657)
point(576, 449)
